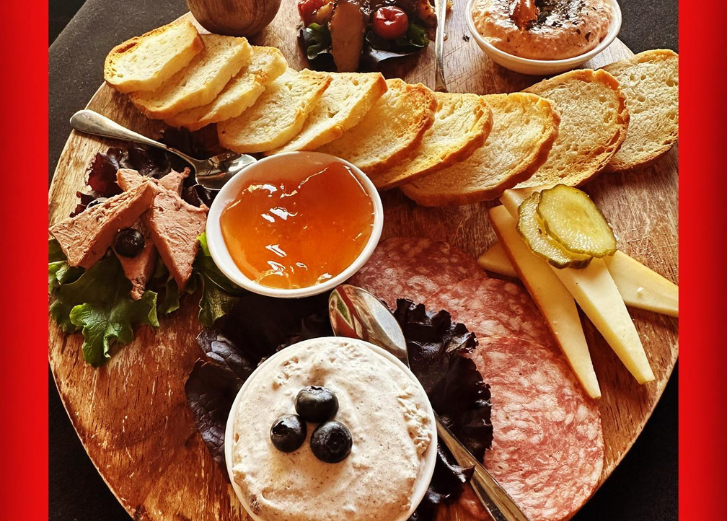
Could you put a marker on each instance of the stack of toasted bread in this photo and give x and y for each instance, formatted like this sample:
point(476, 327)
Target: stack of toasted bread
point(441, 149)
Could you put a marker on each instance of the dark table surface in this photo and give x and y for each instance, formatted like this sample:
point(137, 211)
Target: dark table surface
point(643, 487)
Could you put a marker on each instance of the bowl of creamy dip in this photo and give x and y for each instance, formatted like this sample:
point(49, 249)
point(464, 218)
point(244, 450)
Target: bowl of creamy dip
point(391, 421)
point(294, 224)
point(543, 37)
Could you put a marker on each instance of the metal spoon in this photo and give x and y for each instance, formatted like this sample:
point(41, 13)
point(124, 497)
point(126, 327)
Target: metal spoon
point(440, 10)
point(211, 173)
point(356, 313)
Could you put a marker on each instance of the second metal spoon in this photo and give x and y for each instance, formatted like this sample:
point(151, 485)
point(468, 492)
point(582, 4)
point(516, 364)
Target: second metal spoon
point(356, 313)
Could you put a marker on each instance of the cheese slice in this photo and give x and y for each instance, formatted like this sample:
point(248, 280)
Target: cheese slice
point(595, 291)
point(551, 296)
point(642, 287)
point(597, 295)
point(496, 260)
point(639, 286)
point(512, 199)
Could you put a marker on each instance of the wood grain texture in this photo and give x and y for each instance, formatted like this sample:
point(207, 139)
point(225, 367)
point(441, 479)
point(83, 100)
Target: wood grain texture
point(132, 415)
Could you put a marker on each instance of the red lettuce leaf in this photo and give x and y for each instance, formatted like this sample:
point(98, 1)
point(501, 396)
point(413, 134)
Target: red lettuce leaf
point(152, 162)
point(102, 172)
point(439, 352)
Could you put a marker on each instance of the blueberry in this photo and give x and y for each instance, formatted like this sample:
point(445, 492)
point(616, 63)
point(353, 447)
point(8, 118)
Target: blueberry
point(288, 433)
point(331, 442)
point(129, 242)
point(316, 404)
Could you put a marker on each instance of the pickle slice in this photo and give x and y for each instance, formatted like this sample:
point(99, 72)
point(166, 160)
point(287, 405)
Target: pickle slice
point(572, 219)
point(533, 232)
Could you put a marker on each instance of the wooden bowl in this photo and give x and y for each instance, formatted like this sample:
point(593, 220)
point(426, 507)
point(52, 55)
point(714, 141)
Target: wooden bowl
point(234, 17)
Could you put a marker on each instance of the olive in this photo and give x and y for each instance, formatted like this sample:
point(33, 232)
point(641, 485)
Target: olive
point(331, 442)
point(129, 242)
point(316, 404)
point(288, 433)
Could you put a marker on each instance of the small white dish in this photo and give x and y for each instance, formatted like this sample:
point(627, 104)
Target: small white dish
point(430, 456)
point(543, 67)
point(283, 164)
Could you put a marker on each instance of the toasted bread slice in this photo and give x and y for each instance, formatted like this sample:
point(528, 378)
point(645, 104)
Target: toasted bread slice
point(200, 82)
point(594, 120)
point(525, 126)
point(266, 64)
point(650, 81)
point(144, 62)
point(390, 131)
point(277, 116)
point(461, 125)
point(344, 103)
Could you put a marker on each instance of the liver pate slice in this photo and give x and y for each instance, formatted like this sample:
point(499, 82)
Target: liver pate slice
point(139, 269)
point(174, 180)
point(174, 226)
point(86, 237)
point(128, 179)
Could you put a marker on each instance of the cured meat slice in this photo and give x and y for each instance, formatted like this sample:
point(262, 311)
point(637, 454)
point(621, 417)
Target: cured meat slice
point(139, 269)
point(414, 268)
point(548, 446)
point(494, 307)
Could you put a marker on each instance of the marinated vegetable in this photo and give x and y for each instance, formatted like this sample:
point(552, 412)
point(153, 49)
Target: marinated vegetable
point(573, 219)
point(533, 232)
point(348, 35)
point(390, 22)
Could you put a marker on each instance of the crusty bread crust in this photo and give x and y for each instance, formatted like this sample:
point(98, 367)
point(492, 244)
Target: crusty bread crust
point(321, 127)
point(653, 102)
point(200, 82)
point(468, 115)
point(592, 107)
point(380, 140)
point(240, 93)
point(277, 116)
point(152, 79)
point(475, 179)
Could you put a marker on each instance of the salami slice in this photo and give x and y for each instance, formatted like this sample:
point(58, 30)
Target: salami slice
point(414, 268)
point(548, 447)
point(494, 307)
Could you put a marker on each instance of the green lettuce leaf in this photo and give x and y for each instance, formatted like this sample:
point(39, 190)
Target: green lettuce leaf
point(218, 292)
point(317, 40)
point(99, 305)
point(59, 272)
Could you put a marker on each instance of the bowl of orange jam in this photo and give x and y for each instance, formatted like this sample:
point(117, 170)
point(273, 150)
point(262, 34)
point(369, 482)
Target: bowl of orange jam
point(294, 224)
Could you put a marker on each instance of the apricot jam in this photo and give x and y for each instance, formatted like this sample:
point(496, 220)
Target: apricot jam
point(295, 231)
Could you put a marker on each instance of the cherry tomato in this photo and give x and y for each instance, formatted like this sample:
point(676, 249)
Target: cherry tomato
point(307, 8)
point(390, 22)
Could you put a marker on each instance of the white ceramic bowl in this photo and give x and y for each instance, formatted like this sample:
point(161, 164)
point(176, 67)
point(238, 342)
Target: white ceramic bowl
point(543, 67)
point(430, 456)
point(283, 164)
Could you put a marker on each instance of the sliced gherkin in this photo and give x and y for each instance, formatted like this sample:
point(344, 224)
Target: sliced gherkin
point(531, 229)
point(573, 219)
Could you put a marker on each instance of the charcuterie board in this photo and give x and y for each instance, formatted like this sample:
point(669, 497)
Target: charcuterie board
point(132, 414)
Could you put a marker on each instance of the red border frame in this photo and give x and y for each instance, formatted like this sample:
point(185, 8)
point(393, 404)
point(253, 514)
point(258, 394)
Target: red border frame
point(703, 245)
point(703, 274)
point(24, 301)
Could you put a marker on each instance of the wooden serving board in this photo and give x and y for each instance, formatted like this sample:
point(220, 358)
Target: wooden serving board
point(132, 415)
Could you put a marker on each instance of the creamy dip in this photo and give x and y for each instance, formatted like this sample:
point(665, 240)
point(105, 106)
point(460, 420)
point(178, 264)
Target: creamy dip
point(385, 410)
point(543, 29)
